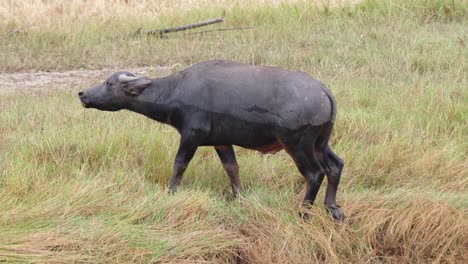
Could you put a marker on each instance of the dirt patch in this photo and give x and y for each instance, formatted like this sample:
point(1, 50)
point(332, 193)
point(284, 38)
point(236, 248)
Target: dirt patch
point(40, 79)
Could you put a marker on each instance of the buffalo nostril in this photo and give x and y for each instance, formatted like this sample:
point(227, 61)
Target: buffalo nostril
point(80, 93)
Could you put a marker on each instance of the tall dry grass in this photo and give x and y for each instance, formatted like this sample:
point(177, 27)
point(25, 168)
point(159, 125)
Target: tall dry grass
point(34, 14)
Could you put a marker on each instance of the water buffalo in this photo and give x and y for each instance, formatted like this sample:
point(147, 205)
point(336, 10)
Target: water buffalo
point(225, 103)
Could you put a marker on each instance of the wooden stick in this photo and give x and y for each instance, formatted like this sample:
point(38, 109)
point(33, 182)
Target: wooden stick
point(161, 32)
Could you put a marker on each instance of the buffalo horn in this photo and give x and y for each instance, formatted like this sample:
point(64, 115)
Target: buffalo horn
point(126, 78)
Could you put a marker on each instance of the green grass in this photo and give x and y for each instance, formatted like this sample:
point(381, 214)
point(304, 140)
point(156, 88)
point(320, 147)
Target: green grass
point(82, 185)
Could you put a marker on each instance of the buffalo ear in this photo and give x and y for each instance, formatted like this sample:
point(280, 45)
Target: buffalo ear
point(136, 87)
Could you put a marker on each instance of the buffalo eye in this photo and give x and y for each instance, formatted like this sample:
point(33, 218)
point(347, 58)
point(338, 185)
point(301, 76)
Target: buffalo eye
point(107, 83)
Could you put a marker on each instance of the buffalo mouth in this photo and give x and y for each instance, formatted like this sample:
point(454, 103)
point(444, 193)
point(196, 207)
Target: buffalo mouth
point(85, 103)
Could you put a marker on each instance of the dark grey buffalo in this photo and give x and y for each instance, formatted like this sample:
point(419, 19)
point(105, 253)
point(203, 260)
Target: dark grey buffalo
point(225, 103)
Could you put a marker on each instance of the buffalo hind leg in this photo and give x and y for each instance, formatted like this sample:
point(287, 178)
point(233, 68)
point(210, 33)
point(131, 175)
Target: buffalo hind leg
point(309, 167)
point(335, 166)
point(228, 159)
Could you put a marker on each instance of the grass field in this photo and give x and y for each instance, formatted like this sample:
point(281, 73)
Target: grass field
point(81, 185)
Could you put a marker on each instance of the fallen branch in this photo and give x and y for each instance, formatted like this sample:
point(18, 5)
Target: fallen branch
point(161, 32)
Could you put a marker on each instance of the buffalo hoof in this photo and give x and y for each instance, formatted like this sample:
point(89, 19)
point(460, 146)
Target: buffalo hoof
point(304, 215)
point(336, 212)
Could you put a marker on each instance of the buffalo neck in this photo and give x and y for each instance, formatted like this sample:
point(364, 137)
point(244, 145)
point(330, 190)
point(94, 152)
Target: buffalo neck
point(153, 102)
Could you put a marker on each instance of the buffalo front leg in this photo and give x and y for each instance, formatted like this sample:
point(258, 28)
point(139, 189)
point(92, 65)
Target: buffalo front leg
point(187, 149)
point(228, 158)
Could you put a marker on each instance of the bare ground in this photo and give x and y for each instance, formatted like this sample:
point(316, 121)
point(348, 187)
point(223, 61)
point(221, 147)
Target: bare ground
point(70, 79)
